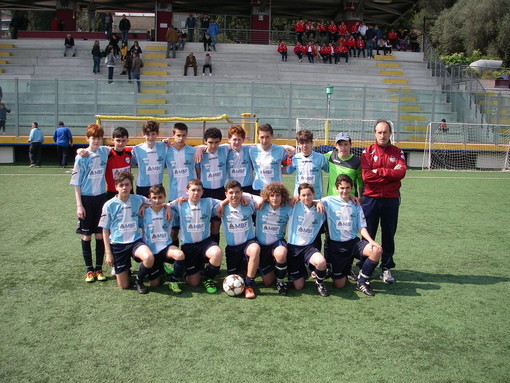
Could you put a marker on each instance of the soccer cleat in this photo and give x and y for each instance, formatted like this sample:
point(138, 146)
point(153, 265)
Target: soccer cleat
point(249, 293)
point(140, 287)
point(209, 286)
point(352, 276)
point(100, 276)
point(321, 289)
point(365, 289)
point(169, 269)
point(174, 287)
point(386, 277)
point(90, 277)
point(112, 272)
point(281, 287)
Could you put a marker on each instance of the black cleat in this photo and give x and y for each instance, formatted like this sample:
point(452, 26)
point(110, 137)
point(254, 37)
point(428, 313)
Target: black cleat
point(365, 289)
point(321, 289)
point(140, 287)
point(352, 276)
point(281, 287)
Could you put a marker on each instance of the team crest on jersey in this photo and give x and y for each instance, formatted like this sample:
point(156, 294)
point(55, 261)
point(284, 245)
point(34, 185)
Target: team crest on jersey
point(128, 160)
point(393, 159)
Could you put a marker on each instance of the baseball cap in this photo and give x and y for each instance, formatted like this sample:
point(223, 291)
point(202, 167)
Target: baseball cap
point(342, 137)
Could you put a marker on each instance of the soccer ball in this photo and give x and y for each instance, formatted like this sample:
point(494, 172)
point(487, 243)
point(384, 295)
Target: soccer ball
point(233, 285)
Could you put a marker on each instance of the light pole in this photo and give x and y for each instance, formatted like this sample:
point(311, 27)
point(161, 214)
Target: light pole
point(329, 92)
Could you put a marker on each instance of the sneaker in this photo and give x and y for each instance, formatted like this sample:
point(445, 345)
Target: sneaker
point(31, 165)
point(281, 287)
point(352, 276)
point(100, 276)
point(365, 289)
point(203, 74)
point(90, 277)
point(210, 74)
point(249, 293)
point(386, 277)
point(174, 287)
point(321, 289)
point(140, 287)
point(209, 286)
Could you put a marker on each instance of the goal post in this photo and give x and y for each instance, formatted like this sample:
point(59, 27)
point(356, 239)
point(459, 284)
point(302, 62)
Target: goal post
point(466, 146)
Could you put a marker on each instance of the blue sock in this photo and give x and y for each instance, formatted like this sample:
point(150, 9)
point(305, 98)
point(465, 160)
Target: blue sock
point(281, 271)
point(367, 270)
point(248, 282)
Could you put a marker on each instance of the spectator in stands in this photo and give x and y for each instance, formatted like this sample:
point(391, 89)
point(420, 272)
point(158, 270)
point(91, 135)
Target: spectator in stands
point(213, 31)
point(393, 38)
point(309, 30)
point(14, 26)
point(129, 63)
point(351, 44)
point(36, 139)
point(136, 48)
point(24, 22)
point(413, 40)
point(401, 36)
point(378, 34)
point(64, 140)
point(123, 54)
point(124, 27)
point(321, 31)
point(332, 32)
point(342, 40)
point(342, 30)
point(181, 41)
point(317, 49)
point(3, 117)
point(299, 28)
point(443, 128)
point(191, 61)
point(204, 25)
point(298, 51)
point(91, 15)
point(136, 68)
point(355, 30)
point(108, 24)
point(207, 64)
point(96, 57)
point(55, 24)
point(207, 42)
point(360, 46)
point(384, 45)
point(110, 63)
point(69, 44)
point(370, 41)
point(341, 51)
point(282, 50)
point(190, 24)
point(171, 41)
point(114, 43)
point(310, 52)
point(362, 29)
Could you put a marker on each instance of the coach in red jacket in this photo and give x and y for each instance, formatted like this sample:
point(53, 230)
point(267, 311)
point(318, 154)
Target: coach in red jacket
point(383, 165)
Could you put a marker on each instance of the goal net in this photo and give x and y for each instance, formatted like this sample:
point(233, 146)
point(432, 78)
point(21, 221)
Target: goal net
point(325, 130)
point(465, 146)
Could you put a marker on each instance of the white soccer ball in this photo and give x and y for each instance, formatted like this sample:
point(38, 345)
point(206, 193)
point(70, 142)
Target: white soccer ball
point(233, 285)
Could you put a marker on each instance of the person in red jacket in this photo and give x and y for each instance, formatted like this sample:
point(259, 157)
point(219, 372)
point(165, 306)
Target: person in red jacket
point(360, 46)
point(310, 52)
point(321, 31)
point(332, 31)
point(299, 28)
point(355, 30)
point(341, 51)
point(282, 49)
point(310, 30)
point(383, 166)
point(351, 44)
point(298, 51)
point(393, 38)
point(342, 29)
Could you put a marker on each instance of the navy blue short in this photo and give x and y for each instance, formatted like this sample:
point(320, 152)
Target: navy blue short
point(341, 254)
point(159, 259)
point(194, 255)
point(298, 259)
point(216, 194)
point(143, 190)
point(93, 206)
point(267, 262)
point(122, 254)
point(237, 258)
point(249, 189)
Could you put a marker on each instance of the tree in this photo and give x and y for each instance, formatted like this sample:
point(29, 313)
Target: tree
point(474, 25)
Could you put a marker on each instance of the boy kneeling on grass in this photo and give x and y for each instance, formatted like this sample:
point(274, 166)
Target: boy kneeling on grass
point(122, 237)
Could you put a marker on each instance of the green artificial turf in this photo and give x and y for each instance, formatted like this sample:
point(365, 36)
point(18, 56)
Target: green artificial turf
point(445, 320)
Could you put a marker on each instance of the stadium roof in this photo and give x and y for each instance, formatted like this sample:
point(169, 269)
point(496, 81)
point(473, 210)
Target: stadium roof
point(384, 12)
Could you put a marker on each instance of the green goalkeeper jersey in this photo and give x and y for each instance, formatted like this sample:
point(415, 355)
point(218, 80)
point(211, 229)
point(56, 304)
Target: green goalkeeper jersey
point(350, 166)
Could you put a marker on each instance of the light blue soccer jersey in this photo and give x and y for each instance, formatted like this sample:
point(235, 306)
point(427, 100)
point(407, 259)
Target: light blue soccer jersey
point(238, 224)
point(121, 218)
point(156, 230)
point(213, 168)
point(344, 218)
point(267, 165)
point(194, 219)
point(304, 224)
point(89, 172)
point(271, 223)
point(309, 169)
point(239, 166)
point(181, 168)
point(151, 163)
